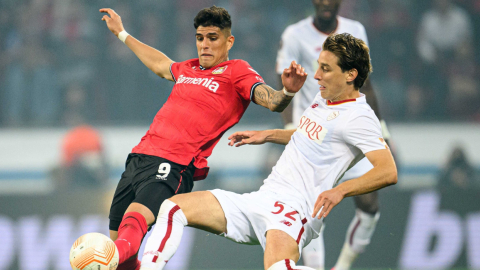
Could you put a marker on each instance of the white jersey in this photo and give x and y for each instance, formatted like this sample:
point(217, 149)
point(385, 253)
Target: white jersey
point(303, 42)
point(330, 138)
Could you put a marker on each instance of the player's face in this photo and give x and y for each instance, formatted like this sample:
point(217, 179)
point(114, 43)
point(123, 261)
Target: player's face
point(326, 10)
point(212, 45)
point(333, 82)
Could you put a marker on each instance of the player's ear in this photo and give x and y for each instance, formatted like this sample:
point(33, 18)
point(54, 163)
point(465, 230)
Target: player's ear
point(351, 75)
point(230, 41)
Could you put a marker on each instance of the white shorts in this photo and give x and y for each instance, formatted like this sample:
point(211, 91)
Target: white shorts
point(361, 168)
point(250, 215)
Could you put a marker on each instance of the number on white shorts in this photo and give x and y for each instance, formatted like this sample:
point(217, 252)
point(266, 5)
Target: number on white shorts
point(280, 210)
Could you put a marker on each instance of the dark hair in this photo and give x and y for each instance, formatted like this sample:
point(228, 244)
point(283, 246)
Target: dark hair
point(213, 16)
point(352, 53)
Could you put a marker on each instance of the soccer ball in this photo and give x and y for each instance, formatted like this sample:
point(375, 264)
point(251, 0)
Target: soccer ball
point(94, 251)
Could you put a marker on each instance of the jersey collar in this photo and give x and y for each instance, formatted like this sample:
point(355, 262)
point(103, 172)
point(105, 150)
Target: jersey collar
point(329, 103)
point(362, 96)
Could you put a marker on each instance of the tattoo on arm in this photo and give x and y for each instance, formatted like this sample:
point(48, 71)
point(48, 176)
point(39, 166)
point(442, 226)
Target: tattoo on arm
point(269, 98)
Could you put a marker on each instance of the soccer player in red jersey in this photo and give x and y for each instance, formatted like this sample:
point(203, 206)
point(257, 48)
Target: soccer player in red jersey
point(210, 95)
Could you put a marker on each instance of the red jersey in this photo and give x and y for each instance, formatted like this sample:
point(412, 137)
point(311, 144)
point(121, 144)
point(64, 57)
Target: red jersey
point(203, 105)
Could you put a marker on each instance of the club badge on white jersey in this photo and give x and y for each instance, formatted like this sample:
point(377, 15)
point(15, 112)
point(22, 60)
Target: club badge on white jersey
point(333, 115)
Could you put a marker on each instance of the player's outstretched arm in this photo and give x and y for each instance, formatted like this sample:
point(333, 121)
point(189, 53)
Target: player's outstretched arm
point(154, 59)
point(383, 174)
point(293, 79)
point(278, 136)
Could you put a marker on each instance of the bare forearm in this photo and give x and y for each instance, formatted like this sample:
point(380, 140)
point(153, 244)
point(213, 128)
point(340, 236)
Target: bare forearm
point(154, 59)
point(376, 178)
point(280, 136)
point(274, 100)
point(287, 114)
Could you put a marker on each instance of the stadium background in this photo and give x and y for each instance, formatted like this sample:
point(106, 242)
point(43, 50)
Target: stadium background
point(74, 101)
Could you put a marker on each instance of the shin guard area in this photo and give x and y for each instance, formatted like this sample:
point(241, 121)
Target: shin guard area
point(361, 230)
point(130, 234)
point(358, 237)
point(166, 236)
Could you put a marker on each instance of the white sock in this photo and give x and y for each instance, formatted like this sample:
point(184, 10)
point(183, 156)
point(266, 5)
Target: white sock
point(288, 265)
point(314, 253)
point(165, 238)
point(358, 237)
point(346, 258)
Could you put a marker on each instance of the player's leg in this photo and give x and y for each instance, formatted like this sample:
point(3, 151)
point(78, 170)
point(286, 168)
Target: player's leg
point(146, 192)
point(364, 222)
point(360, 230)
point(135, 222)
point(198, 209)
point(314, 253)
point(280, 246)
point(281, 252)
point(113, 235)
point(122, 199)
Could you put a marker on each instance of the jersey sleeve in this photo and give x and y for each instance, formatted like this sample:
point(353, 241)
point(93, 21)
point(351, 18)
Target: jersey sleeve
point(288, 51)
point(245, 79)
point(175, 70)
point(364, 132)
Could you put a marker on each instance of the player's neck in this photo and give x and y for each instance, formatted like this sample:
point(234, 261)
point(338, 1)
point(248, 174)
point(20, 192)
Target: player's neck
point(218, 62)
point(349, 94)
point(324, 26)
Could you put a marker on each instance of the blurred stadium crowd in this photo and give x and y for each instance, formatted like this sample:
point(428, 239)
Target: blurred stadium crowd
point(60, 66)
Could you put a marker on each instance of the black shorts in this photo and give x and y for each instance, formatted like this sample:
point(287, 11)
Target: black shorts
point(149, 180)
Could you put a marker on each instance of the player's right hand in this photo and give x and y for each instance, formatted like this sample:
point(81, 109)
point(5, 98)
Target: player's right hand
point(326, 201)
point(248, 137)
point(114, 21)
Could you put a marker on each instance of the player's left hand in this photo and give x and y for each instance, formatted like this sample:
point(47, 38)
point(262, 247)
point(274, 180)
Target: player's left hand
point(326, 201)
point(294, 77)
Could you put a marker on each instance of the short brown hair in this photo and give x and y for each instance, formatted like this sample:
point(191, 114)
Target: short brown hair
point(213, 16)
point(352, 53)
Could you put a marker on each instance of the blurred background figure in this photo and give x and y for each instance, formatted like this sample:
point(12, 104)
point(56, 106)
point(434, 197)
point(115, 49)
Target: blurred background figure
point(83, 164)
point(444, 29)
point(458, 174)
point(445, 34)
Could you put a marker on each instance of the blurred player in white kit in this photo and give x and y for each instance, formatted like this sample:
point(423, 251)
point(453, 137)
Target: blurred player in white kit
point(302, 42)
point(336, 131)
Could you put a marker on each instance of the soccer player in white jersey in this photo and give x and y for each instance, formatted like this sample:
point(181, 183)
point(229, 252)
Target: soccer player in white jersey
point(336, 131)
point(303, 41)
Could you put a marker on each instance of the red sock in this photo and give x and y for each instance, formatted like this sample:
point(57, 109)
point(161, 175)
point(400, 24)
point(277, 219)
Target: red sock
point(130, 234)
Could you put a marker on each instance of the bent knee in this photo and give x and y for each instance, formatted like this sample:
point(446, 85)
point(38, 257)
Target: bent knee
point(186, 200)
point(176, 198)
point(368, 203)
point(202, 210)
